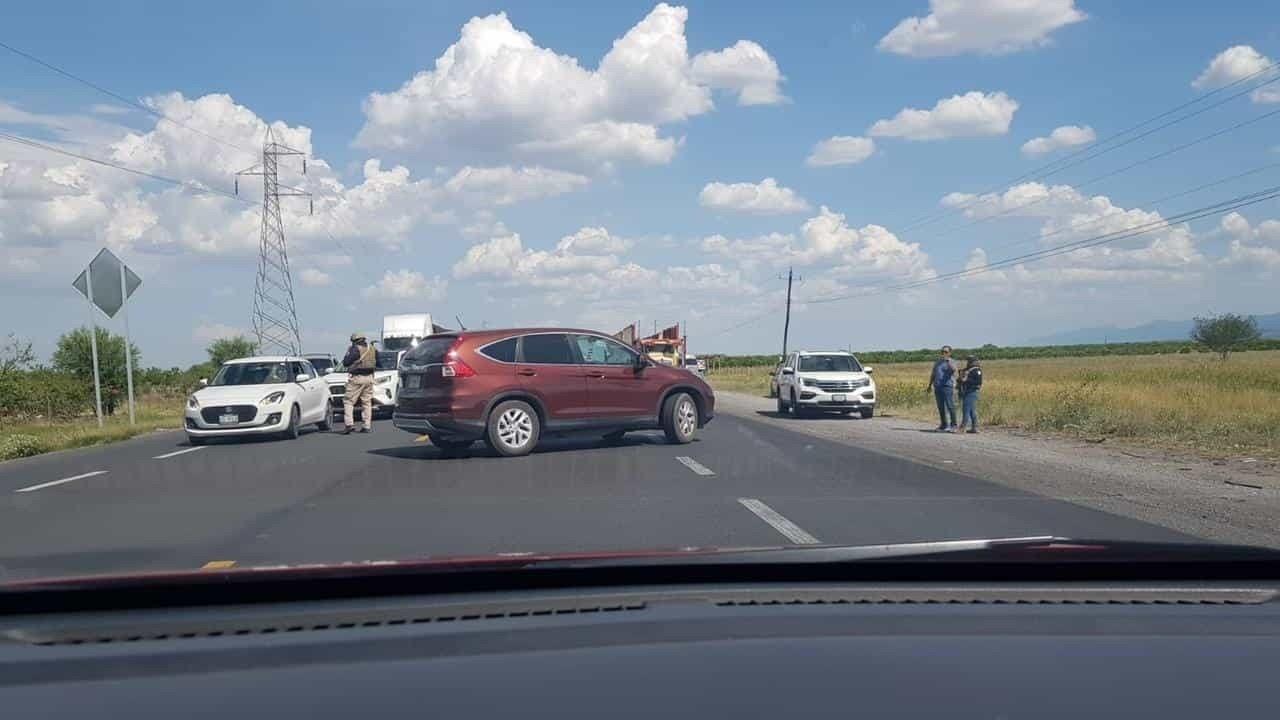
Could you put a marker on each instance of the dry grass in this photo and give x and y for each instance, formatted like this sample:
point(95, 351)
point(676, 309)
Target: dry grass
point(1179, 401)
point(32, 437)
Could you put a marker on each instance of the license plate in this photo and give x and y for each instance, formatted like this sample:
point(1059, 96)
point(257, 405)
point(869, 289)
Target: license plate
point(837, 398)
point(228, 419)
point(412, 382)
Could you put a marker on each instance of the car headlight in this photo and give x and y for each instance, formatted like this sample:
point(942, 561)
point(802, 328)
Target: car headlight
point(808, 381)
point(192, 402)
point(273, 398)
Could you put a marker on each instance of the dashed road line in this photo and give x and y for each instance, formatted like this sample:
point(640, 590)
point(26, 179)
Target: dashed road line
point(789, 529)
point(42, 486)
point(218, 565)
point(695, 466)
point(178, 452)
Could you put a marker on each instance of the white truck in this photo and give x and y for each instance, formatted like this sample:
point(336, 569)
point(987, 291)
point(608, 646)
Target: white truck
point(399, 333)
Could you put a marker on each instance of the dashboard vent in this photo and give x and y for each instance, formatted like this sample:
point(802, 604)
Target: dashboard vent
point(1173, 596)
point(82, 636)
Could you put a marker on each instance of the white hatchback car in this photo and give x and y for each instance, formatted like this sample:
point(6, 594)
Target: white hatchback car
point(274, 394)
point(815, 381)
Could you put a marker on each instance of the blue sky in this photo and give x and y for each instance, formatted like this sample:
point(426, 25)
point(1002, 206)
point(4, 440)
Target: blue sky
point(636, 167)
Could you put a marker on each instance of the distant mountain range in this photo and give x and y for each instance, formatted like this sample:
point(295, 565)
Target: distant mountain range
point(1152, 331)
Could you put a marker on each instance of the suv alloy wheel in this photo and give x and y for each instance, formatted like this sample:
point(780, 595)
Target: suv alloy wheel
point(513, 428)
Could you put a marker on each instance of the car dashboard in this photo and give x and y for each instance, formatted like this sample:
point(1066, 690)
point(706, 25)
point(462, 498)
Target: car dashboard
point(715, 650)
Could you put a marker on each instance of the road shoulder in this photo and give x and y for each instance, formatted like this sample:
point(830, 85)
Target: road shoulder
point(1227, 501)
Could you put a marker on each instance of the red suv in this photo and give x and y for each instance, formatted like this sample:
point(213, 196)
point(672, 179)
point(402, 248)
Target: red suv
point(510, 387)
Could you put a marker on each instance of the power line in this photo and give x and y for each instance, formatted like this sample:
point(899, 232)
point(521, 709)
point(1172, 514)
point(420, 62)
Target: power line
point(1112, 173)
point(1046, 168)
point(190, 185)
point(1147, 203)
point(1125, 233)
point(117, 96)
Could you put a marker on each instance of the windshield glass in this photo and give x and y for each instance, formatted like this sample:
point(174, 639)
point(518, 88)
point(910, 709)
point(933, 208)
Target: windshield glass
point(1045, 232)
point(257, 373)
point(829, 363)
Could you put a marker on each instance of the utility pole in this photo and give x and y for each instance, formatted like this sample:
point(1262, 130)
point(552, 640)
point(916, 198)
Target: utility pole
point(275, 317)
point(786, 325)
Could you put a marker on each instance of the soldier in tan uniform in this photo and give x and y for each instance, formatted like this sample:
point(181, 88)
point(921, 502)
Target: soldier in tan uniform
point(360, 361)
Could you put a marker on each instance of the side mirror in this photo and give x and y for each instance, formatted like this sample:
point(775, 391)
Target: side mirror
point(868, 369)
point(327, 371)
point(788, 371)
point(301, 377)
point(641, 362)
point(204, 381)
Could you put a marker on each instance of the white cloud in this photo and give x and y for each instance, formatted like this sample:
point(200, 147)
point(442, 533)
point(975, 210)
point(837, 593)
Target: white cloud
point(841, 150)
point(312, 277)
point(1234, 64)
point(1252, 248)
point(745, 68)
point(974, 114)
point(506, 185)
point(763, 198)
point(407, 285)
point(205, 333)
point(496, 92)
point(593, 240)
point(990, 27)
point(1062, 138)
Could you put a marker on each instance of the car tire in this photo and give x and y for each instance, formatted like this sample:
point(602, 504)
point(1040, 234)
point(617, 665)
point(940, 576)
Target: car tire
point(513, 428)
point(326, 421)
point(782, 407)
point(866, 413)
point(680, 418)
point(796, 410)
point(195, 440)
point(291, 432)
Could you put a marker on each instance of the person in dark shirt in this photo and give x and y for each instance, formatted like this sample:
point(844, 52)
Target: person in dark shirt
point(942, 381)
point(970, 388)
point(360, 362)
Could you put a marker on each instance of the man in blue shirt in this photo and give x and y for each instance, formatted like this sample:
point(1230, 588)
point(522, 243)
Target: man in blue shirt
point(942, 381)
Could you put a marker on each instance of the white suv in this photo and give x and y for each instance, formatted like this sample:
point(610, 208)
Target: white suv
point(821, 381)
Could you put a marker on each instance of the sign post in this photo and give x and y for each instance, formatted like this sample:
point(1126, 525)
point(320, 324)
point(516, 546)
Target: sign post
point(115, 284)
point(93, 345)
point(128, 343)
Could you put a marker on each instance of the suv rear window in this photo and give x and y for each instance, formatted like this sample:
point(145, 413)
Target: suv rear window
point(430, 350)
point(551, 349)
point(502, 351)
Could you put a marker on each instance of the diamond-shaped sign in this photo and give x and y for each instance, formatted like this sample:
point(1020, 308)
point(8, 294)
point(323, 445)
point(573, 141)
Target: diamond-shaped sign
point(105, 273)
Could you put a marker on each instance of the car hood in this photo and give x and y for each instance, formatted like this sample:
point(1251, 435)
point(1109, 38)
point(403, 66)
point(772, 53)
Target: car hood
point(1017, 552)
point(236, 394)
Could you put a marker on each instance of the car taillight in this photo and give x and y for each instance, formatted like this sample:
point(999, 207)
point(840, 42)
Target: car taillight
point(454, 367)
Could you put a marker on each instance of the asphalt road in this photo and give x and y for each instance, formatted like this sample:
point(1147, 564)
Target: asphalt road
point(155, 503)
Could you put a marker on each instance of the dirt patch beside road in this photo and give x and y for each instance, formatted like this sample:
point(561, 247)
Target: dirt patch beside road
point(1236, 500)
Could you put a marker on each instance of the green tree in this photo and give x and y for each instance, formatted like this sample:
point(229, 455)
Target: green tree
point(225, 349)
point(1225, 333)
point(74, 356)
point(15, 356)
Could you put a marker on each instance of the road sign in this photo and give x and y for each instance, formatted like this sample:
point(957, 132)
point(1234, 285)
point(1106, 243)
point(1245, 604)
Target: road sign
point(108, 293)
point(108, 284)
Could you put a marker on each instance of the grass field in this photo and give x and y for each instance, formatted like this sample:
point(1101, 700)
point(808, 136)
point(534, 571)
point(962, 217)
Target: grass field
point(1188, 401)
point(32, 437)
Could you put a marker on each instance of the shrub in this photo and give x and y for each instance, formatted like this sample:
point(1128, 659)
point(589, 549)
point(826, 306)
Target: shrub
point(17, 446)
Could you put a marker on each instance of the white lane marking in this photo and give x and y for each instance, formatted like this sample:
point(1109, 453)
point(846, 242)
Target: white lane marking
point(41, 486)
point(695, 466)
point(178, 452)
point(789, 529)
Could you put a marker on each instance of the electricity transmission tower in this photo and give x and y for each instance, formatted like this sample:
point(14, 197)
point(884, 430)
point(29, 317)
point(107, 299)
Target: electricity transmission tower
point(275, 319)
